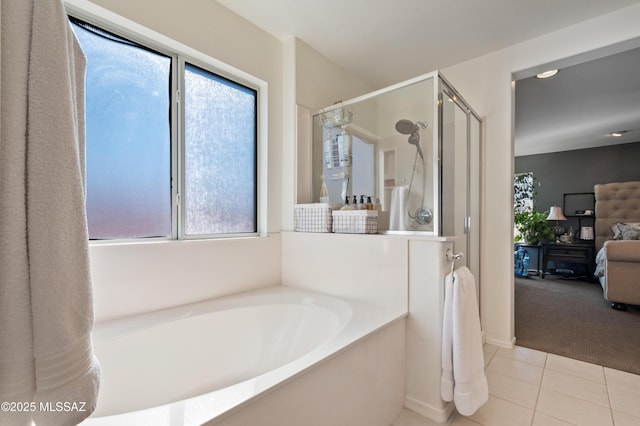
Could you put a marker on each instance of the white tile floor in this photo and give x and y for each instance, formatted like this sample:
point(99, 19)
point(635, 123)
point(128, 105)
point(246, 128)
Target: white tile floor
point(532, 388)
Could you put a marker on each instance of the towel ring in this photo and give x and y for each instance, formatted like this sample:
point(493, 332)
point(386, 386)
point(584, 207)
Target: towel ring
point(451, 257)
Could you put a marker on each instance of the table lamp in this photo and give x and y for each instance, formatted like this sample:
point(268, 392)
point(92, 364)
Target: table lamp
point(555, 213)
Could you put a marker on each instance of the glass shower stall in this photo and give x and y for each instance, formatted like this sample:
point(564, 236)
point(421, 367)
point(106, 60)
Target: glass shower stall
point(412, 150)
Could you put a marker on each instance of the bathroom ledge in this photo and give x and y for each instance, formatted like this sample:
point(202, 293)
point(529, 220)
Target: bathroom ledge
point(383, 234)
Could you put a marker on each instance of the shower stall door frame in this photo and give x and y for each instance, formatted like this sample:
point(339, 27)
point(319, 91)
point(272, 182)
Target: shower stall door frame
point(473, 194)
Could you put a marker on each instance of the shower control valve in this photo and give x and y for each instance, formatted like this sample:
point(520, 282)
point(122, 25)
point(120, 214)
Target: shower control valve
point(424, 216)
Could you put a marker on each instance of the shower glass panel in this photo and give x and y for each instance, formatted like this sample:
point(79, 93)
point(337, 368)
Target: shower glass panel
point(387, 136)
point(473, 223)
point(460, 175)
point(454, 166)
point(455, 169)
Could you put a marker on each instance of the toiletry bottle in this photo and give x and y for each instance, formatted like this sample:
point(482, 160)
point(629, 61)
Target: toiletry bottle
point(324, 195)
point(355, 202)
point(369, 205)
point(347, 206)
point(361, 203)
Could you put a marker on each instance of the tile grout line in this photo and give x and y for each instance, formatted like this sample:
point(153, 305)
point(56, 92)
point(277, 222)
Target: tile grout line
point(540, 390)
point(580, 398)
point(515, 378)
point(606, 383)
point(576, 375)
point(535, 405)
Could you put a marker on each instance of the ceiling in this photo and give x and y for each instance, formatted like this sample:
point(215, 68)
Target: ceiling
point(580, 107)
point(384, 42)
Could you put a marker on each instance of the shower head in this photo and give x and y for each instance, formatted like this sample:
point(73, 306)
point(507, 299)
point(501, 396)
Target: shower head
point(408, 127)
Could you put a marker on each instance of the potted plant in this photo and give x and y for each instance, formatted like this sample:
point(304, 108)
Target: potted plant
point(532, 227)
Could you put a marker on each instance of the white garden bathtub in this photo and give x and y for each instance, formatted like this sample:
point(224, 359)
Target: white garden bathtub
point(190, 364)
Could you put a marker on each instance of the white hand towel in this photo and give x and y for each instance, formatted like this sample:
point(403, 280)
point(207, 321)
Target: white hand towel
point(398, 217)
point(446, 381)
point(470, 388)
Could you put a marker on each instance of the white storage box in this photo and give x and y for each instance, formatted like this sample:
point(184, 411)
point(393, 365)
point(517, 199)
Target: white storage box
point(313, 217)
point(355, 221)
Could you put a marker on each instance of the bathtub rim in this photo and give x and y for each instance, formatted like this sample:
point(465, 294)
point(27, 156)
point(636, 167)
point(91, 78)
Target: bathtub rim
point(365, 320)
point(117, 327)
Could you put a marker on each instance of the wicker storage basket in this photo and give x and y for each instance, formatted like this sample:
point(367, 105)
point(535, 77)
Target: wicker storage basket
point(355, 221)
point(313, 217)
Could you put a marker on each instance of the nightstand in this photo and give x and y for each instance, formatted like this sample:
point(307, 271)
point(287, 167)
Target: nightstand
point(570, 253)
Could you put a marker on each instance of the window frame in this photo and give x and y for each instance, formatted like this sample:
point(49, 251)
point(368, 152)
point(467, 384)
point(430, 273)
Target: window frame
point(182, 54)
point(182, 63)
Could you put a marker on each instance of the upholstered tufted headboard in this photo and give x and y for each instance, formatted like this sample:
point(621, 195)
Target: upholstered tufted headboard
point(615, 202)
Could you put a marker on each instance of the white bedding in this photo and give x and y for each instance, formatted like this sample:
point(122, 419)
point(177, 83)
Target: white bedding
point(601, 263)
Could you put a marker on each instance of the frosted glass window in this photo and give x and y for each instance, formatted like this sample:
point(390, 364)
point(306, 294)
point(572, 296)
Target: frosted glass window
point(128, 142)
point(219, 155)
point(172, 148)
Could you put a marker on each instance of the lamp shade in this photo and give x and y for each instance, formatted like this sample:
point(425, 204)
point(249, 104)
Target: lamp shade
point(555, 213)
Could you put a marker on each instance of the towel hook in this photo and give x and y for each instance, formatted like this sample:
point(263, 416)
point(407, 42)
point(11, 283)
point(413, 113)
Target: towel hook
point(451, 257)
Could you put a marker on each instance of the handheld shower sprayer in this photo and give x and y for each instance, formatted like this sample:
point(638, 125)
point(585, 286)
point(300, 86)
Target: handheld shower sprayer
point(408, 127)
point(423, 215)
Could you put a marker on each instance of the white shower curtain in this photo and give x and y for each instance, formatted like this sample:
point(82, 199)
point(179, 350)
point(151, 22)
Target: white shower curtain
point(48, 373)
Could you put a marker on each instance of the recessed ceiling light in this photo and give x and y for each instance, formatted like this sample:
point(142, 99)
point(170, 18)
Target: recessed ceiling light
point(618, 133)
point(547, 74)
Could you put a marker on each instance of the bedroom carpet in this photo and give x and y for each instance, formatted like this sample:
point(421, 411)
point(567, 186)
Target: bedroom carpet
point(571, 318)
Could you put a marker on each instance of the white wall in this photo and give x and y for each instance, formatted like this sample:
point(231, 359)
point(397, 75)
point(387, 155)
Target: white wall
point(367, 268)
point(140, 277)
point(424, 327)
point(320, 82)
point(311, 81)
point(486, 83)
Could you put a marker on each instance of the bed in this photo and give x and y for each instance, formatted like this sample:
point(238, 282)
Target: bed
point(617, 241)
